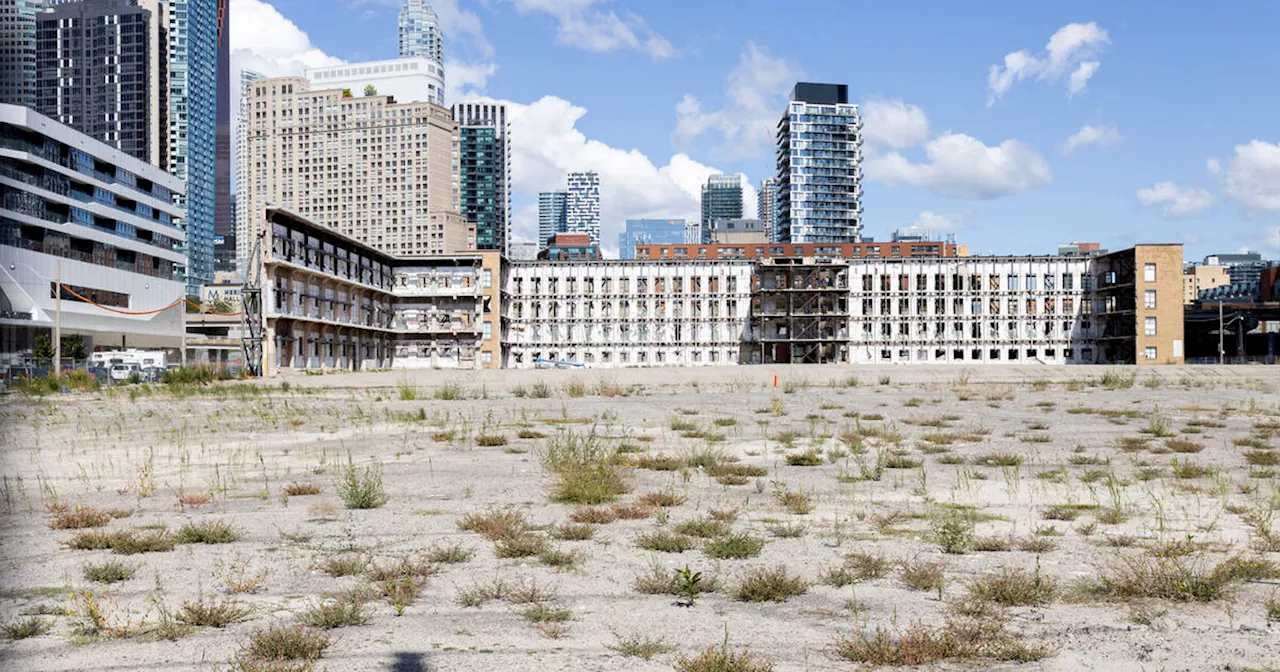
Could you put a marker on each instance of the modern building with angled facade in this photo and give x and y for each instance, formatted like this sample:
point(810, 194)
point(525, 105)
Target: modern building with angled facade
point(103, 220)
point(819, 159)
point(484, 172)
point(721, 199)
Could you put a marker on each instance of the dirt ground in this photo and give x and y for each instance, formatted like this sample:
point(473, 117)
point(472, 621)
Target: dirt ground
point(1070, 474)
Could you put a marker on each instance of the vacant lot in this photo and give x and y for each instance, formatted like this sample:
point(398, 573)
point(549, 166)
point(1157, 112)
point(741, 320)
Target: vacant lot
point(1046, 518)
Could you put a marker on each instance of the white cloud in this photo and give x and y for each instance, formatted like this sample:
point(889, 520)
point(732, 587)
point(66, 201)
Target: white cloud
point(1252, 176)
point(1213, 166)
point(959, 165)
point(1069, 51)
point(754, 98)
point(263, 39)
point(1271, 237)
point(1190, 238)
point(579, 24)
point(941, 221)
point(1101, 136)
point(1175, 200)
point(546, 144)
point(892, 123)
point(466, 80)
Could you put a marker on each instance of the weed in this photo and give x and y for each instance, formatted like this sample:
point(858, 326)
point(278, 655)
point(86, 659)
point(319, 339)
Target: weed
point(559, 559)
point(26, 628)
point(301, 489)
point(530, 434)
point(491, 440)
point(328, 614)
point(1183, 446)
point(639, 645)
point(125, 542)
point(998, 460)
point(572, 532)
point(587, 472)
point(539, 391)
point(280, 643)
point(520, 546)
point(80, 517)
point(1186, 469)
point(703, 527)
point(660, 499)
point(772, 584)
point(448, 392)
point(595, 515)
point(208, 532)
point(495, 524)
point(733, 547)
point(344, 565)
point(1262, 458)
point(794, 501)
point(786, 530)
point(809, 458)
point(448, 554)
point(953, 530)
point(111, 571)
point(361, 489)
point(723, 659)
point(923, 575)
point(665, 542)
point(1015, 587)
point(212, 614)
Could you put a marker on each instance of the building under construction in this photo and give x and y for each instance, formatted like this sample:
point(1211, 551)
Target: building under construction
point(800, 309)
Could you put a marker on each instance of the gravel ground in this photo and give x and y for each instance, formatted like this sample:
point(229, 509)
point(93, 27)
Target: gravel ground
point(943, 442)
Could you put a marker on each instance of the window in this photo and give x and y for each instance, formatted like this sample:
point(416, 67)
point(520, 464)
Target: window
point(1149, 298)
point(1149, 272)
point(1150, 352)
point(1149, 326)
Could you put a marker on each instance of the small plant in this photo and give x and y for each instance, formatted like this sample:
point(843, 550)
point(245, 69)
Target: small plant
point(724, 659)
point(923, 575)
point(576, 389)
point(665, 542)
point(573, 532)
point(641, 646)
point(998, 460)
point(448, 392)
point(588, 473)
point(213, 614)
point(194, 499)
point(279, 643)
point(123, 543)
point(448, 554)
point(595, 515)
point(733, 547)
point(361, 489)
point(344, 565)
point(660, 499)
point(301, 489)
point(521, 546)
point(794, 501)
point(539, 391)
point(688, 585)
point(208, 532)
point(809, 458)
point(491, 440)
point(79, 518)
point(1015, 587)
point(769, 585)
point(32, 626)
point(705, 528)
point(330, 614)
point(786, 530)
point(495, 524)
point(954, 530)
point(111, 571)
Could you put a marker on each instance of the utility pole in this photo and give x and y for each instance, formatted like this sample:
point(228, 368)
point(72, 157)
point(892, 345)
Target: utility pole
point(57, 321)
point(1221, 335)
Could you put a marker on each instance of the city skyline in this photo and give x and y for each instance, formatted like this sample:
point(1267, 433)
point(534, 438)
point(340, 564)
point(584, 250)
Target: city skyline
point(1065, 140)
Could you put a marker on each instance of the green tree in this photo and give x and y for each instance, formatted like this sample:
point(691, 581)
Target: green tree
point(73, 346)
point(370, 90)
point(43, 348)
point(346, 93)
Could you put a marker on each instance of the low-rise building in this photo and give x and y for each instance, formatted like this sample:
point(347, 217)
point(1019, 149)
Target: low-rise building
point(738, 232)
point(570, 247)
point(757, 251)
point(1200, 277)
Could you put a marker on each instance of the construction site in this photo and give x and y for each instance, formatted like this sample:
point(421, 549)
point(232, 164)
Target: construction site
point(801, 311)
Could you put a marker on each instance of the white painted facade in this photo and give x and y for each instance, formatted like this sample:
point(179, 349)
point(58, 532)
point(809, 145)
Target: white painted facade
point(408, 80)
point(997, 310)
point(626, 314)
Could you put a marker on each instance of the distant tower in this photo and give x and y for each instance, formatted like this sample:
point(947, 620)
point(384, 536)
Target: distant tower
point(484, 172)
point(244, 227)
point(18, 59)
point(819, 199)
point(721, 199)
point(552, 208)
point(764, 205)
point(420, 32)
point(582, 213)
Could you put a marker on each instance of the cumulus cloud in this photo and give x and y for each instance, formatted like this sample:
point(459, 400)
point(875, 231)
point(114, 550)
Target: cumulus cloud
point(1271, 237)
point(892, 123)
point(262, 39)
point(961, 166)
point(580, 24)
point(1069, 54)
point(466, 80)
point(949, 222)
point(546, 144)
point(1101, 136)
point(754, 98)
point(1252, 176)
point(1175, 200)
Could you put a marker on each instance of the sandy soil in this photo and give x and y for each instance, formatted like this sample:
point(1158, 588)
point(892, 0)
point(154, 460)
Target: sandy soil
point(140, 451)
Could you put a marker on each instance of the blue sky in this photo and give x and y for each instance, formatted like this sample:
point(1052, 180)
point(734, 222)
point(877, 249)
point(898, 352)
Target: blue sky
point(1174, 111)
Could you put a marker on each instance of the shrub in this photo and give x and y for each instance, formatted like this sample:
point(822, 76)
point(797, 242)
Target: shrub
point(573, 532)
point(208, 532)
point(660, 499)
point(576, 389)
point(1183, 446)
point(587, 472)
point(31, 626)
point(111, 571)
point(954, 530)
point(632, 511)
point(998, 460)
point(361, 489)
point(920, 645)
point(923, 575)
point(329, 614)
point(724, 659)
point(1262, 458)
point(301, 489)
point(665, 542)
point(703, 527)
point(733, 547)
point(530, 434)
point(520, 546)
point(280, 643)
point(596, 515)
point(123, 543)
point(809, 458)
point(344, 565)
point(539, 391)
point(1015, 587)
point(786, 530)
point(215, 614)
point(640, 646)
point(540, 612)
point(491, 440)
point(448, 392)
point(494, 524)
point(451, 554)
point(554, 557)
point(769, 585)
point(79, 518)
point(794, 501)
point(1179, 577)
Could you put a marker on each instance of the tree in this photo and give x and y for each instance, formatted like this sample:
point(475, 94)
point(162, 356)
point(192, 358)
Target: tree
point(370, 90)
point(346, 93)
point(73, 346)
point(43, 348)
